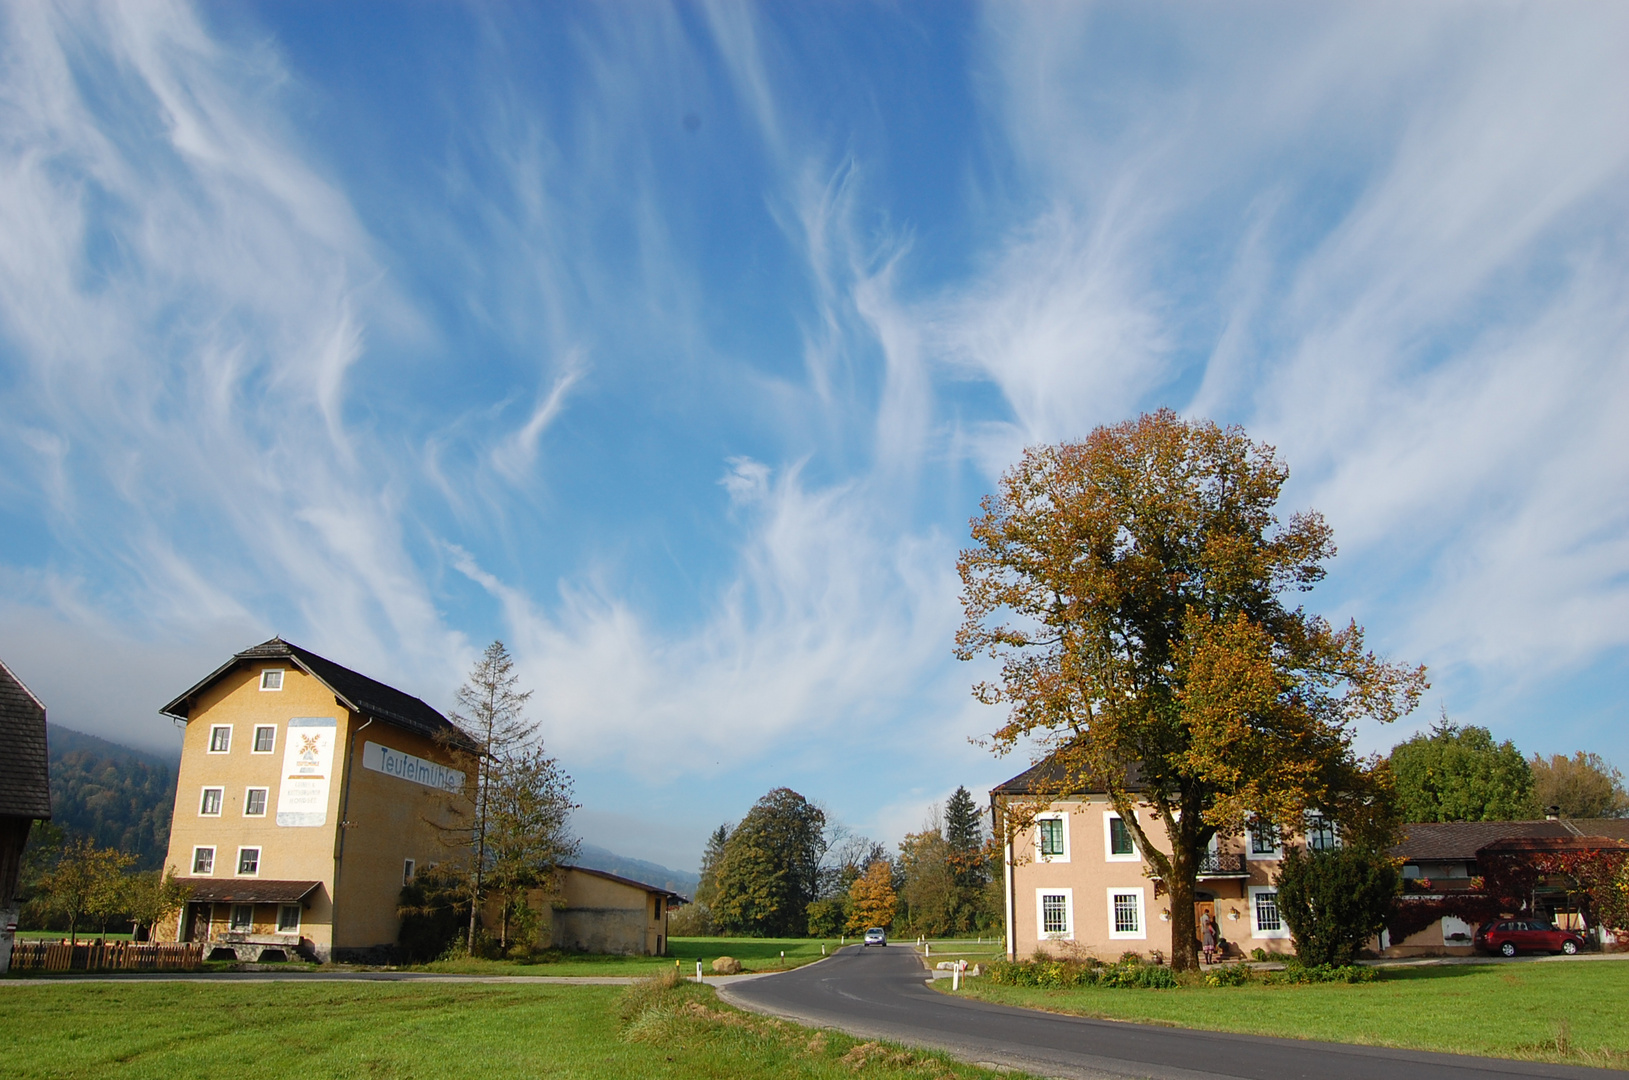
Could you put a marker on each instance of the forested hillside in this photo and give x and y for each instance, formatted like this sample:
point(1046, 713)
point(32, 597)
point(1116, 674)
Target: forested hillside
point(121, 798)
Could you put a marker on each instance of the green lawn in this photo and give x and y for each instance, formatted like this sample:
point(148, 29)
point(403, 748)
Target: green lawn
point(1576, 1012)
point(62, 935)
point(439, 1031)
point(755, 954)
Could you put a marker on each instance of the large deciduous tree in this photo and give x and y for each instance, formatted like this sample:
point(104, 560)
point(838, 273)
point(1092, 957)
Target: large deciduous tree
point(1455, 773)
point(1132, 587)
point(1582, 786)
point(768, 874)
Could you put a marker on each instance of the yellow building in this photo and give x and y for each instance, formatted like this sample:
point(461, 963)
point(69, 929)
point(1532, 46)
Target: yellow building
point(308, 794)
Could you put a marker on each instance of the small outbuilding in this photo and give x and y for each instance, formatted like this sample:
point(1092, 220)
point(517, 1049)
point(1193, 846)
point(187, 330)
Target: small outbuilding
point(25, 792)
point(593, 911)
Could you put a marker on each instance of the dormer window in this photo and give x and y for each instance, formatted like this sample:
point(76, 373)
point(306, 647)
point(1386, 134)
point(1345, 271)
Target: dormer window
point(271, 679)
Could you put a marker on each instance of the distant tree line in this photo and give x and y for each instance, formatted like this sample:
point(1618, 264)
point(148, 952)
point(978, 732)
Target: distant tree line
point(1459, 773)
point(115, 796)
point(786, 871)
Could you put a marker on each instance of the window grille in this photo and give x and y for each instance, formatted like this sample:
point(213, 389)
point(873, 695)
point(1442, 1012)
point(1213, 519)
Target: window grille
point(1267, 917)
point(1126, 916)
point(1054, 914)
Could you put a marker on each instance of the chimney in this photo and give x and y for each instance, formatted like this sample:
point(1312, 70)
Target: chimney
point(1552, 813)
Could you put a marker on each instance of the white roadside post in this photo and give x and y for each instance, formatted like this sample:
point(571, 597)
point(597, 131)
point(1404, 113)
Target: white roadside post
point(698, 971)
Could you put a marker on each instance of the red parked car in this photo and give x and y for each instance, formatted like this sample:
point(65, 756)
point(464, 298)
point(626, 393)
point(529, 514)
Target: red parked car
point(1511, 936)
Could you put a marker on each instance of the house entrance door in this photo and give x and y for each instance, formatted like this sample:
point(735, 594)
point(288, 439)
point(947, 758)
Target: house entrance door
point(1203, 909)
point(198, 922)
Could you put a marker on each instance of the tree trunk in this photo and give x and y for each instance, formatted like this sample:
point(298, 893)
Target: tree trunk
point(1184, 952)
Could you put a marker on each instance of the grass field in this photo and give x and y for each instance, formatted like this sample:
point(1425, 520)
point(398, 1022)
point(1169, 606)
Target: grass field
point(436, 1031)
point(755, 954)
point(62, 935)
point(1576, 1012)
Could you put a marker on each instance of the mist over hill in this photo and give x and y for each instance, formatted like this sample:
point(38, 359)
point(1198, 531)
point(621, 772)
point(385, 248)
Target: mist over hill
point(119, 797)
point(595, 857)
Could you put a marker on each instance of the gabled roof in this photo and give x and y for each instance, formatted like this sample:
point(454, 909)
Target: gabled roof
point(627, 881)
point(355, 691)
point(1048, 777)
point(25, 779)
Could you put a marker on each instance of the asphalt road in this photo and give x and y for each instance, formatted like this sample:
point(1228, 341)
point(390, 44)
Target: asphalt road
point(882, 994)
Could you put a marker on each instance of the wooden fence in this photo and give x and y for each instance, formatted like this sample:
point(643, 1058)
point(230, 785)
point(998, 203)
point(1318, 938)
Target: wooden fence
point(105, 956)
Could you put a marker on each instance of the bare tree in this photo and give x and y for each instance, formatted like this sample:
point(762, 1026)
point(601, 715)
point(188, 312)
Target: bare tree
point(491, 712)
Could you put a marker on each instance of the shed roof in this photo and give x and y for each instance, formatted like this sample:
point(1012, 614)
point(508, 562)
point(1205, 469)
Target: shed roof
point(250, 890)
point(627, 881)
point(355, 691)
point(25, 775)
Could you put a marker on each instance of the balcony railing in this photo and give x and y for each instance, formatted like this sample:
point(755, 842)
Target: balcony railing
point(1226, 864)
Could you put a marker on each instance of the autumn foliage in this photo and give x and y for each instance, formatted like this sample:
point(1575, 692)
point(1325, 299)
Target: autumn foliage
point(1133, 588)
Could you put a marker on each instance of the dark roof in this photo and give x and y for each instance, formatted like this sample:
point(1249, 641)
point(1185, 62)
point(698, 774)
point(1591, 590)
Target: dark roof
point(627, 881)
point(1459, 841)
point(25, 777)
point(249, 890)
point(354, 690)
point(1516, 844)
point(1047, 777)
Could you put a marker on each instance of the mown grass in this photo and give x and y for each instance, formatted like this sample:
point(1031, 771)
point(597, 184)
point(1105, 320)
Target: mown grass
point(1575, 1012)
point(755, 954)
point(439, 1031)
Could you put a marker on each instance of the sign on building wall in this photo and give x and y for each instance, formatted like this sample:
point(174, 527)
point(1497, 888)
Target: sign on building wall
point(415, 770)
point(308, 766)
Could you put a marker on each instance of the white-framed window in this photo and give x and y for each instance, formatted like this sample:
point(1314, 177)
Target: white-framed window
point(408, 866)
point(1055, 914)
point(209, 804)
point(265, 739)
point(1126, 918)
point(1266, 921)
point(242, 919)
point(203, 860)
point(271, 678)
point(248, 861)
point(1119, 845)
point(220, 738)
point(254, 802)
point(288, 919)
point(1052, 837)
point(1321, 832)
point(1263, 841)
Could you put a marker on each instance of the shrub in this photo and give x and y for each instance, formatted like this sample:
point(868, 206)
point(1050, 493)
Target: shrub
point(1129, 972)
point(434, 917)
point(1334, 901)
point(1296, 972)
point(1229, 975)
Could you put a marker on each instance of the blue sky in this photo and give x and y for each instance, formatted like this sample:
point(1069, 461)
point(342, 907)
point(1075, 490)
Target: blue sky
point(675, 345)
